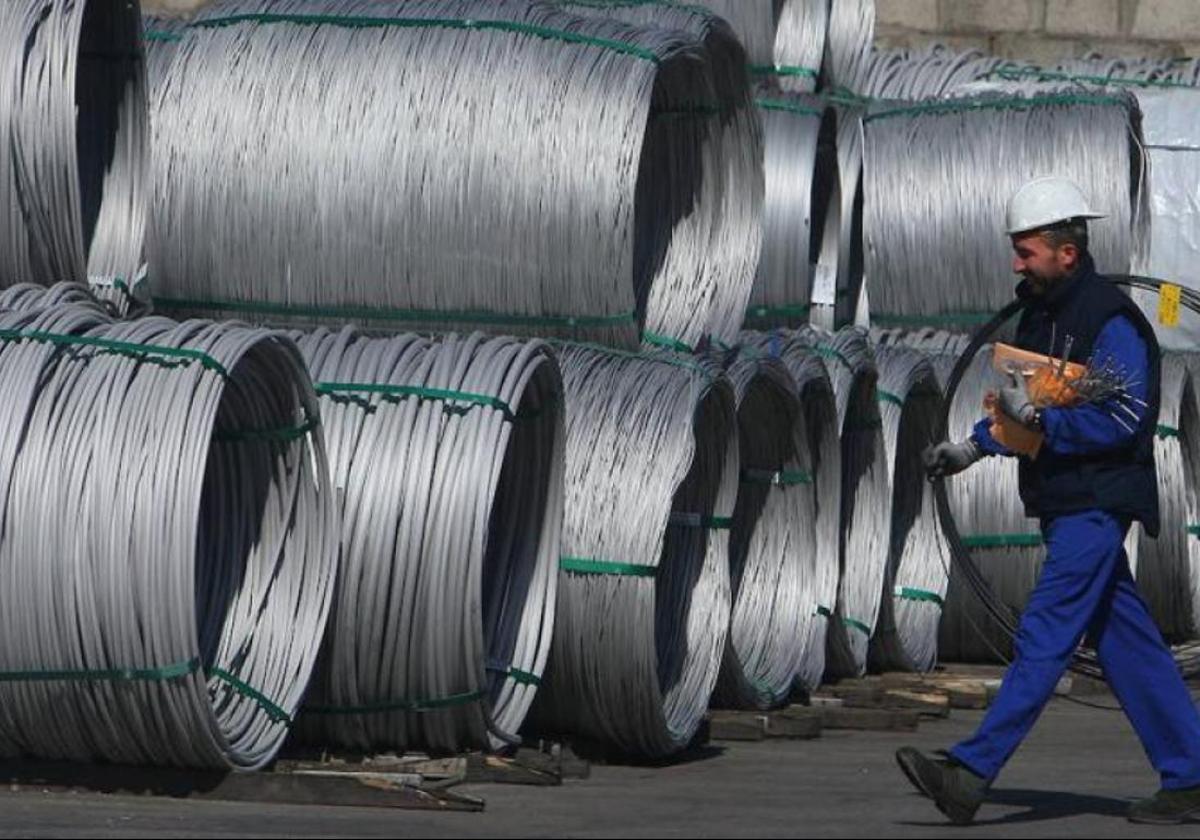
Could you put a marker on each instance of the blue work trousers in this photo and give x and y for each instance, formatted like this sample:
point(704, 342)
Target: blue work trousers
point(1086, 587)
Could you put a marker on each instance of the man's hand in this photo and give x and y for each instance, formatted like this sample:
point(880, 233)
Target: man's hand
point(947, 458)
point(1014, 401)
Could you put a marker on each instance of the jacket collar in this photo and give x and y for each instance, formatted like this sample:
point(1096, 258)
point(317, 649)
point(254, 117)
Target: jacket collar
point(1054, 300)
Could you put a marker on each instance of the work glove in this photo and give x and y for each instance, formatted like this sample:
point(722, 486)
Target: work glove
point(1014, 401)
point(947, 458)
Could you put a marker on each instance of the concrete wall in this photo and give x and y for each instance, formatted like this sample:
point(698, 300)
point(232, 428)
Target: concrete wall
point(1043, 30)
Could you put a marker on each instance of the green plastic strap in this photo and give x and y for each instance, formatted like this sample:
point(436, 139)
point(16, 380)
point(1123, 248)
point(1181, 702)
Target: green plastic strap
point(957, 106)
point(933, 320)
point(788, 107)
point(1194, 530)
point(546, 32)
point(168, 672)
point(590, 566)
point(157, 35)
point(401, 391)
point(274, 712)
point(831, 353)
point(285, 435)
point(823, 611)
point(367, 313)
point(857, 625)
point(666, 341)
point(1041, 75)
point(782, 70)
point(908, 593)
point(888, 396)
point(399, 705)
point(695, 520)
point(183, 354)
point(1165, 432)
point(517, 675)
point(776, 478)
point(798, 310)
point(1003, 541)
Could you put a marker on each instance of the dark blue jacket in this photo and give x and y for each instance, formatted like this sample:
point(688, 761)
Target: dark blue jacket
point(1121, 480)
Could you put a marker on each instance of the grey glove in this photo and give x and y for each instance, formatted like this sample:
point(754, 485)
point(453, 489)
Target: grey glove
point(1014, 401)
point(947, 458)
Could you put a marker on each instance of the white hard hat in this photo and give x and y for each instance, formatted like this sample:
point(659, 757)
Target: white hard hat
point(1047, 201)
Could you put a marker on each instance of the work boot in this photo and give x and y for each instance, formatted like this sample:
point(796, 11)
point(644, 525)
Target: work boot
point(955, 790)
point(1167, 807)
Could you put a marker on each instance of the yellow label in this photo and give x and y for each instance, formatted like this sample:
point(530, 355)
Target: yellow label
point(1169, 296)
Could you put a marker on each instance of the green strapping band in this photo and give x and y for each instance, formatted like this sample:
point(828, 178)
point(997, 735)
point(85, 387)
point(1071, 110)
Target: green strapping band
point(910, 594)
point(718, 523)
point(781, 70)
point(274, 712)
point(933, 320)
point(830, 353)
point(857, 625)
point(400, 391)
point(695, 520)
point(430, 23)
point(399, 705)
point(285, 435)
point(776, 478)
point(156, 35)
point(957, 106)
point(524, 677)
point(798, 310)
point(888, 396)
point(787, 107)
point(182, 354)
point(1019, 73)
point(1194, 530)
point(1165, 432)
point(589, 566)
point(666, 341)
point(825, 611)
point(167, 672)
point(367, 313)
point(1003, 541)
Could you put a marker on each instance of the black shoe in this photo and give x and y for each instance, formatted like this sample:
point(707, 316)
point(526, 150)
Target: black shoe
point(955, 790)
point(1167, 807)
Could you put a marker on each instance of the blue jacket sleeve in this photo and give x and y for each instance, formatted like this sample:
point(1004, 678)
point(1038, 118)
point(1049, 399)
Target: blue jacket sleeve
point(988, 445)
point(1100, 427)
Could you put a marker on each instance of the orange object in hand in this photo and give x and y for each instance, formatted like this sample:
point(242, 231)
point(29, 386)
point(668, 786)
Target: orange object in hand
point(1046, 387)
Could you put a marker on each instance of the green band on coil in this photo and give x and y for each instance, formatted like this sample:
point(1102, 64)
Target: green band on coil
point(284, 435)
point(367, 313)
point(1011, 74)
point(274, 712)
point(798, 310)
point(666, 341)
point(788, 107)
point(833, 353)
point(823, 611)
point(546, 32)
point(776, 478)
point(591, 566)
point(909, 593)
point(959, 106)
point(1003, 541)
point(888, 396)
point(695, 520)
point(1194, 530)
point(397, 392)
point(431, 705)
point(157, 35)
point(167, 672)
point(517, 675)
point(855, 624)
point(1165, 432)
point(791, 70)
point(172, 355)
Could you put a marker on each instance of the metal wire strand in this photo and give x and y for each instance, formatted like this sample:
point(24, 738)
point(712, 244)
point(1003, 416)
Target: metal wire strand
point(74, 128)
point(169, 539)
point(644, 600)
point(447, 456)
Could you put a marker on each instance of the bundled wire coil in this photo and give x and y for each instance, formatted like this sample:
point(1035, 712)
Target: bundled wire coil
point(772, 550)
point(840, 307)
point(824, 456)
point(918, 566)
point(448, 459)
point(169, 539)
point(802, 222)
point(538, 188)
point(865, 497)
point(643, 608)
point(74, 129)
point(939, 174)
point(851, 34)
point(722, 244)
point(926, 74)
point(785, 39)
point(1168, 568)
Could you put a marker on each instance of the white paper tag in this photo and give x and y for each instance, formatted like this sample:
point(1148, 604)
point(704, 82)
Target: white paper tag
point(824, 290)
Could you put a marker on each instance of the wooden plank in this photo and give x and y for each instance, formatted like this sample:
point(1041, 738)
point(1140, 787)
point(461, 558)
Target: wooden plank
point(737, 726)
point(891, 720)
point(930, 704)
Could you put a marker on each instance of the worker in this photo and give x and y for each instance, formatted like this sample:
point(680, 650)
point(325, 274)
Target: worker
point(1092, 478)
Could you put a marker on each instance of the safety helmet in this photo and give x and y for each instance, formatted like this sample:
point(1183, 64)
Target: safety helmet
point(1047, 201)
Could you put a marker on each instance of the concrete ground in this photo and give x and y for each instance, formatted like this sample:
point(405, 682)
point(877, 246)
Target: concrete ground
point(1073, 777)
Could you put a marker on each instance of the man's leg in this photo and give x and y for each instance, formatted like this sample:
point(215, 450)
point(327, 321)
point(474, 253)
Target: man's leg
point(1081, 553)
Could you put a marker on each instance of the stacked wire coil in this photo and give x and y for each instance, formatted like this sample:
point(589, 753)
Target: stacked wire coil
point(169, 543)
point(644, 601)
point(448, 458)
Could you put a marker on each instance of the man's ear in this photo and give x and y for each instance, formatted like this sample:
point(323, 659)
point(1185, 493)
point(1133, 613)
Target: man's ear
point(1070, 253)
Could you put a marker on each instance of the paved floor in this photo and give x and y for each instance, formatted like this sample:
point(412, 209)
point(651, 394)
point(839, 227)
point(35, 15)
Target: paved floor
point(1073, 777)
